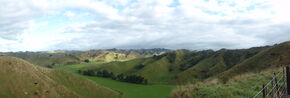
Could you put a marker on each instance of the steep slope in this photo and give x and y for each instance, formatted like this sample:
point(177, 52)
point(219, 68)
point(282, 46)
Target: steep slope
point(22, 79)
point(244, 79)
point(220, 62)
point(276, 56)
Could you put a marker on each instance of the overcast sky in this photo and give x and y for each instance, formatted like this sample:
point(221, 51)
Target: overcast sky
point(38, 25)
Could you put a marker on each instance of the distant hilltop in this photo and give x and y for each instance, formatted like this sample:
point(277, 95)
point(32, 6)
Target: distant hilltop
point(66, 57)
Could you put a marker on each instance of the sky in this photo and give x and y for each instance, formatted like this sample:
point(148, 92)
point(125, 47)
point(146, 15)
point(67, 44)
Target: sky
point(45, 25)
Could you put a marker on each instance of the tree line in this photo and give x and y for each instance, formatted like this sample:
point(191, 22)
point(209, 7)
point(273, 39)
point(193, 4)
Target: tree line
point(120, 77)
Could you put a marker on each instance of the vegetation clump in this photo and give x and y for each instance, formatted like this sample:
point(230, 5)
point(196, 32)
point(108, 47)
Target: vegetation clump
point(120, 77)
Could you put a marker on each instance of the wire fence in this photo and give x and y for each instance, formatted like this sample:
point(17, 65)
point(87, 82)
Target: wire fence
point(275, 88)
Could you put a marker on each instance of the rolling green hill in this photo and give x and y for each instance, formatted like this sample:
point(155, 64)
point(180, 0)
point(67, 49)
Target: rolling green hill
point(128, 90)
point(21, 79)
point(160, 69)
point(183, 66)
point(206, 70)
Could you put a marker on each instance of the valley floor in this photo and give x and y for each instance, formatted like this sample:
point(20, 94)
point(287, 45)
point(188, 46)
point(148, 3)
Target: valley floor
point(128, 90)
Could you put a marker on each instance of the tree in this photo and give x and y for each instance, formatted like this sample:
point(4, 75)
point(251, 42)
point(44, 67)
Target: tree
point(145, 82)
point(89, 72)
point(120, 77)
point(99, 74)
point(106, 74)
point(86, 60)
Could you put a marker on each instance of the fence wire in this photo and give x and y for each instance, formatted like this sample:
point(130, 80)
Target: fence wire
point(275, 88)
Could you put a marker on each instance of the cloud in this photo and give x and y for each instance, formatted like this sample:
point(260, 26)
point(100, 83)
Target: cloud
point(70, 14)
point(191, 24)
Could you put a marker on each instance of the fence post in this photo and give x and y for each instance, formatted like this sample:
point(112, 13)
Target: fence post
point(288, 80)
point(284, 81)
point(264, 91)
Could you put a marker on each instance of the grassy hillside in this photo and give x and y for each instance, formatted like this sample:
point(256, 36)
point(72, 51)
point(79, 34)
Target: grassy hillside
point(185, 67)
point(243, 86)
point(24, 80)
point(219, 62)
point(128, 90)
point(248, 75)
point(181, 66)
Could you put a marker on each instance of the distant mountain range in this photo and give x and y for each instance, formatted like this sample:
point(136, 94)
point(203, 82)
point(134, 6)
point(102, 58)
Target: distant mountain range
point(56, 58)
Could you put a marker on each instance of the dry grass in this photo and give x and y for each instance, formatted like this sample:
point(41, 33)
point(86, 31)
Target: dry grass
point(243, 85)
point(246, 75)
point(182, 92)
